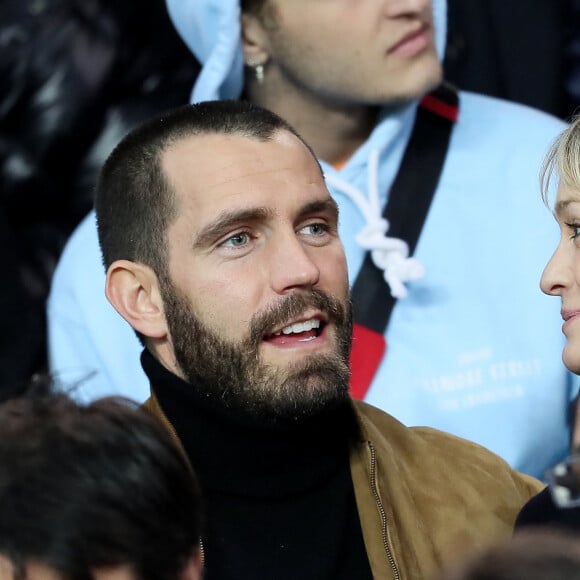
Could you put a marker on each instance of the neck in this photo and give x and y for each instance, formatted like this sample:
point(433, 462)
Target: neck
point(334, 130)
point(246, 451)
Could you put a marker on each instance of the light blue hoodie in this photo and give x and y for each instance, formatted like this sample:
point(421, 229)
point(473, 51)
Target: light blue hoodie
point(474, 348)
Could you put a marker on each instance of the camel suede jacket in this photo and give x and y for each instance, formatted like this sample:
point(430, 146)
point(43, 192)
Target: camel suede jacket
point(425, 498)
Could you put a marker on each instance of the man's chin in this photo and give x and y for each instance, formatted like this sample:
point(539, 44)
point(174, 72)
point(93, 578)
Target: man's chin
point(311, 386)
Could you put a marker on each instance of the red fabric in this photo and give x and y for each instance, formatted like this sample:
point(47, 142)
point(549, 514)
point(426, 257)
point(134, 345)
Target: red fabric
point(440, 108)
point(368, 349)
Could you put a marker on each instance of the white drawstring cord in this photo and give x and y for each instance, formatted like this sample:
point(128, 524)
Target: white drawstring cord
point(391, 255)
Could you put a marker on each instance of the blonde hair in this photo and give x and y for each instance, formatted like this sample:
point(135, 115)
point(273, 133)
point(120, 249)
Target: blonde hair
point(563, 158)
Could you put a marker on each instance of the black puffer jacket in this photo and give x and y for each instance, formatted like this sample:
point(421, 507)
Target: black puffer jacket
point(75, 75)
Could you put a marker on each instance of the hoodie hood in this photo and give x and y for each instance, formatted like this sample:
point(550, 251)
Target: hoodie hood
point(212, 31)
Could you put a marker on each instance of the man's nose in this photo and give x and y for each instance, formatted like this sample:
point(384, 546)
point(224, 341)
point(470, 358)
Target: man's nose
point(292, 265)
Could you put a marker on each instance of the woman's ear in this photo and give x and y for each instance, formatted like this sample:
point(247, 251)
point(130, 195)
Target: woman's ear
point(133, 289)
point(255, 40)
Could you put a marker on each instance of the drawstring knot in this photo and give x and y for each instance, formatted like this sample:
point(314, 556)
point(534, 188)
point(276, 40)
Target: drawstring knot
point(391, 255)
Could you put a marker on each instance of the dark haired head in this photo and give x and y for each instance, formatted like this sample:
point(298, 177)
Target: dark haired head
point(135, 203)
point(85, 488)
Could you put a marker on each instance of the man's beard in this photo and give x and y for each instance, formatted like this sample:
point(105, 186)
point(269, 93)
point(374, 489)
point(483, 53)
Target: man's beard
point(234, 376)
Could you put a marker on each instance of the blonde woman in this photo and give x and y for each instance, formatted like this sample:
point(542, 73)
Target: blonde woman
point(559, 503)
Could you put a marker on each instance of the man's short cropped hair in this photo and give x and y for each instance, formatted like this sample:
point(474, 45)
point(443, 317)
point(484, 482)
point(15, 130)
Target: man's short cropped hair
point(92, 487)
point(135, 202)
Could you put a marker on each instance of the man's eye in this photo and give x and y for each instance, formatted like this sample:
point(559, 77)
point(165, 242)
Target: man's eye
point(316, 229)
point(237, 240)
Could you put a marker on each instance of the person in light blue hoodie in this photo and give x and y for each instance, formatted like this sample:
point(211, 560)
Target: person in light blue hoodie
point(471, 345)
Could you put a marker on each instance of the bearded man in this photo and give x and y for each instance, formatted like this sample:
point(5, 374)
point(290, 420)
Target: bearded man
point(220, 240)
point(443, 236)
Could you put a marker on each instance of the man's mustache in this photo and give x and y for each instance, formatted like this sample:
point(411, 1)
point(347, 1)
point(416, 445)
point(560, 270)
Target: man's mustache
point(290, 307)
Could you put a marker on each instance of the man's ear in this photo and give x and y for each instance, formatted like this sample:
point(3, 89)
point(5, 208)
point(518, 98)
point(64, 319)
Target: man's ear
point(193, 569)
point(133, 289)
point(255, 40)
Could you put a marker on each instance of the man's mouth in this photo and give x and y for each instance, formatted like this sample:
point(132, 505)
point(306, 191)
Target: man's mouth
point(303, 331)
point(299, 327)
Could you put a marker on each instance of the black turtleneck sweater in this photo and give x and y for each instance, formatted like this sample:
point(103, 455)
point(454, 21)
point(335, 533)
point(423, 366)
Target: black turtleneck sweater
point(279, 500)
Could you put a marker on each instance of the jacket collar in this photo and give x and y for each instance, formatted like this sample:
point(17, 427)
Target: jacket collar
point(241, 454)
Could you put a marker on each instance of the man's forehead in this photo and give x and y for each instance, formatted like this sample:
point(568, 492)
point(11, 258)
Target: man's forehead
point(210, 165)
point(207, 143)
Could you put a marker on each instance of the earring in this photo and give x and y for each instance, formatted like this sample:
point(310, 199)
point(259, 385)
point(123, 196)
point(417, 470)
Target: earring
point(258, 69)
point(259, 72)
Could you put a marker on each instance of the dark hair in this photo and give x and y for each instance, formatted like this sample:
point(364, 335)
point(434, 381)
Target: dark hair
point(254, 6)
point(85, 487)
point(264, 10)
point(135, 203)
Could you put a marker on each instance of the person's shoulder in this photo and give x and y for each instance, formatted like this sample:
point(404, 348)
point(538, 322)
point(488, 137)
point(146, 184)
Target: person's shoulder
point(507, 117)
point(83, 243)
point(506, 141)
point(443, 456)
point(79, 274)
point(81, 253)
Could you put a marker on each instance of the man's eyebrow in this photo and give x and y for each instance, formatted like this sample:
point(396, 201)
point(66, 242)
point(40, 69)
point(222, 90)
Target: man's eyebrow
point(324, 205)
point(226, 221)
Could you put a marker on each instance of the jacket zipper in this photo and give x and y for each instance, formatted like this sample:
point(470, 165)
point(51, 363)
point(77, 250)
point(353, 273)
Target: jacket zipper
point(382, 512)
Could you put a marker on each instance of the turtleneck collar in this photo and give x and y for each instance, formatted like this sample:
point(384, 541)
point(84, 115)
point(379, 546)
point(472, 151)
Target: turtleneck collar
point(238, 453)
